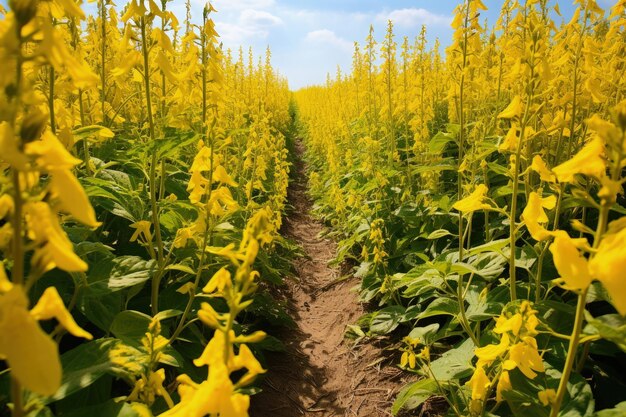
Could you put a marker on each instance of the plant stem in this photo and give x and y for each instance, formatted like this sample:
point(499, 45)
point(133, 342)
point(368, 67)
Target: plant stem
point(16, 397)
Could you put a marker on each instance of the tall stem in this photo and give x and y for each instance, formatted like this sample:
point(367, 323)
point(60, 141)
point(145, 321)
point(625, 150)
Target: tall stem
point(156, 280)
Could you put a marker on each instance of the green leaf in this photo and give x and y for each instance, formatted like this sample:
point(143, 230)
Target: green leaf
point(413, 395)
point(439, 234)
point(130, 327)
point(455, 363)
point(610, 327)
point(618, 411)
point(111, 408)
point(425, 334)
point(84, 365)
point(386, 320)
point(99, 304)
point(441, 306)
point(129, 271)
point(439, 142)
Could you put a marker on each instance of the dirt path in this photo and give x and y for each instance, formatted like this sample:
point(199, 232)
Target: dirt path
point(321, 374)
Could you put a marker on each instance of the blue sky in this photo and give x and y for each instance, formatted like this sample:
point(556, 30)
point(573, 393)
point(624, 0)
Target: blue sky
point(310, 38)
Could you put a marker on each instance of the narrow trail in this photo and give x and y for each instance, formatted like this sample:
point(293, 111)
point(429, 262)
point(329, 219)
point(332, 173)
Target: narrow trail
point(322, 374)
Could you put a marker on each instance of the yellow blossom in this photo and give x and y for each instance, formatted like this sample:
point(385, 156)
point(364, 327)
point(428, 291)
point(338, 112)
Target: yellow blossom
point(547, 396)
point(220, 280)
point(487, 354)
point(50, 153)
point(50, 306)
point(31, 354)
point(220, 175)
point(5, 284)
point(479, 383)
point(55, 248)
point(510, 141)
point(608, 266)
point(572, 266)
point(525, 357)
point(504, 384)
point(589, 161)
point(474, 201)
point(245, 359)
point(73, 200)
point(513, 324)
point(209, 316)
point(539, 166)
point(534, 215)
point(6, 205)
point(514, 109)
point(142, 228)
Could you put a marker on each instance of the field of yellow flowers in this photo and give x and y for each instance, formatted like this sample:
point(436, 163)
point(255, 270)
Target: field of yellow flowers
point(479, 192)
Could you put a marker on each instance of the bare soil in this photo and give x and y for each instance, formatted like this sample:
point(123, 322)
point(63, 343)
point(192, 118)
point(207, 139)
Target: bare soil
point(322, 373)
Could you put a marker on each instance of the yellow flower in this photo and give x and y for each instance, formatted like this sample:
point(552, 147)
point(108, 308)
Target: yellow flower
point(525, 356)
point(539, 166)
point(570, 264)
point(589, 161)
point(608, 266)
point(513, 324)
point(504, 384)
point(55, 248)
point(547, 396)
point(510, 141)
point(534, 215)
point(142, 228)
point(487, 354)
point(5, 284)
point(72, 197)
point(479, 383)
point(9, 151)
point(220, 175)
point(6, 205)
point(182, 236)
point(209, 316)
point(215, 396)
point(31, 354)
point(220, 280)
point(221, 202)
point(514, 109)
point(50, 153)
point(50, 306)
point(245, 359)
point(474, 201)
point(408, 358)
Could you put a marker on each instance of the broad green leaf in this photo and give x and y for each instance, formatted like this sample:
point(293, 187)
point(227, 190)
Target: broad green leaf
point(425, 334)
point(439, 142)
point(413, 395)
point(610, 327)
point(454, 364)
point(441, 306)
point(618, 411)
point(386, 320)
point(85, 364)
point(130, 327)
point(129, 271)
point(437, 234)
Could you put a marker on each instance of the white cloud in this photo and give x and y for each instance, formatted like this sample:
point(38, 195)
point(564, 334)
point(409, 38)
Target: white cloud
point(413, 17)
point(249, 25)
point(258, 18)
point(224, 5)
point(328, 37)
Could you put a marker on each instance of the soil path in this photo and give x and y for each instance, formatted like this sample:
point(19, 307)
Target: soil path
point(322, 374)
